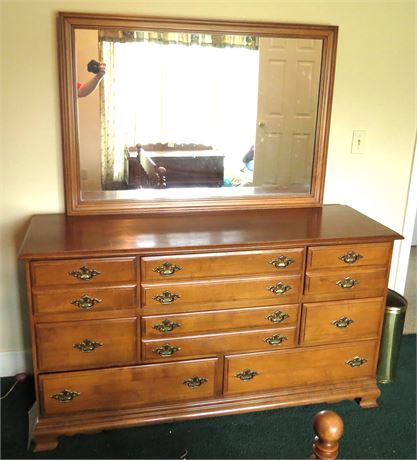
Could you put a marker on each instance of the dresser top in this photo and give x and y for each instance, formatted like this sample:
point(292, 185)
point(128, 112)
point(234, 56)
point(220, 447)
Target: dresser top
point(58, 235)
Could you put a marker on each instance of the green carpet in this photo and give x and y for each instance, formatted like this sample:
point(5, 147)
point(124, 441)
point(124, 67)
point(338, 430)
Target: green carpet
point(386, 432)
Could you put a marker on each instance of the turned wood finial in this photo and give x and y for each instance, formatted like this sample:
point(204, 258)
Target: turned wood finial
point(328, 427)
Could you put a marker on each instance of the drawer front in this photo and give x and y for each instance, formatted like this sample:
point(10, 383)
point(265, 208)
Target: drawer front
point(83, 271)
point(328, 322)
point(299, 367)
point(355, 255)
point(126, 387)
point(86, 300)
point(184, 347)
point(86, 344)
point(213, 321)
point(198, 266)
point(347, 283)
point(165, 298)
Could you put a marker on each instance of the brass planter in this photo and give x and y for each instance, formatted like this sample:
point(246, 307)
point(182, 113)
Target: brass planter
point(396, 307)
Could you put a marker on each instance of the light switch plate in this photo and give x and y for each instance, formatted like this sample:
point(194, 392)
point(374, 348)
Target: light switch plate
point(358, 142)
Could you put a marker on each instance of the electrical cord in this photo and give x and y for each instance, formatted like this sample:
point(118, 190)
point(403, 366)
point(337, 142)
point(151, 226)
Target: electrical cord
point(19, 378)
point(11, 389)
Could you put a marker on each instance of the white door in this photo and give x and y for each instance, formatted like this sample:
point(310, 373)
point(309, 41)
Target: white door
point(289, 74)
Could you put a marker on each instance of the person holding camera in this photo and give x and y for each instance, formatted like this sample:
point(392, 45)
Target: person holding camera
point(99, 70)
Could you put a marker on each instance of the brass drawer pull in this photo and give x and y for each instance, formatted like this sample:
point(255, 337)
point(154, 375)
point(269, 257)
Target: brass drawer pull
point(246, 375)
point(87, 345)
point(347, 283)
point(277, 317)
point(166, 297)
point(342, 322)
point(84, 273)
point(350, 257)
point(275, 339)
point(282, 262)
point(166, 350)
point(357, 361)
point(167, 269)
point(194, 382)
point(279, 288)
point(65, 396)
point(86, 302)
point(166, 326)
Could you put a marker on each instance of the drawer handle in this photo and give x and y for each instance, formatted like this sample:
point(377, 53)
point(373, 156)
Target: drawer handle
point(357, 361)
point(195, 382)
point(282, 262)
point(65, 396)
point(87, 345)
point(166, 326)
point(275, 339)
point(86, 302)
point(246, 375)
point(277, 317)
point(279, 288)
point(342, 322)
point(167, 269)
point(84, 273)
point(166, 350)
point(347, 283)
point(166, 297)
point(351, 257)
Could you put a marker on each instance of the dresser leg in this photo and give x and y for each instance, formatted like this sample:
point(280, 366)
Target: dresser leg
point(44, 442)
point(369, 401)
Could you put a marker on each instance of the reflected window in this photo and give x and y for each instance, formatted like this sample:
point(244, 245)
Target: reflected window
point(200, 89)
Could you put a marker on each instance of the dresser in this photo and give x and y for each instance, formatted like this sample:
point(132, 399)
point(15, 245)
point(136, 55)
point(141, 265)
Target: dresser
point(139, 320)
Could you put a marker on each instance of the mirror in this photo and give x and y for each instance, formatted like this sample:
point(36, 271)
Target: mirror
point(165, 114)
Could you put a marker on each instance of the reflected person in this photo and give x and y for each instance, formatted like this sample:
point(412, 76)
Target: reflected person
point(99, 70)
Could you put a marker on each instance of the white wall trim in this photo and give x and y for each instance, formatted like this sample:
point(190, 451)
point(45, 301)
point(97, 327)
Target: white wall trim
point(13, 362)
point(408, 227)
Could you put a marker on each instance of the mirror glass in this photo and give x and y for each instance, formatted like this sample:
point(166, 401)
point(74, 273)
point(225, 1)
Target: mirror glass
point(192, 111)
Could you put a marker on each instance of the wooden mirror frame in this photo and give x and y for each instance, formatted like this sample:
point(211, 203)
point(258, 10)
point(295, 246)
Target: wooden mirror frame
point(75, 205)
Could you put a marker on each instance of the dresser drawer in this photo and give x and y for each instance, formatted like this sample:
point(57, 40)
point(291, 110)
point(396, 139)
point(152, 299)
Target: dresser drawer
point(357, 255)
point(345, 284)
point(86, 301)
point(165, 298)
point(127, 387)
point(213, 321)
point(83, 271)
point(204, 345)
point(328, 322)
point(197, 266)
point(86, 344)
point(275, 370)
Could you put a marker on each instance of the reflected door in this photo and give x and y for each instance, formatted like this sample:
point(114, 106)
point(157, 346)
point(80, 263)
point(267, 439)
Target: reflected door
point(289, 74)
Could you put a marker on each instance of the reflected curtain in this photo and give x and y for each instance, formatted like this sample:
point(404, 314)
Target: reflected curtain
point(111, 151)
point(180, 38)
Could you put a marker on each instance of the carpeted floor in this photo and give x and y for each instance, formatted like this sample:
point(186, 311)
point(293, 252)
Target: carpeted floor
point(386, 432)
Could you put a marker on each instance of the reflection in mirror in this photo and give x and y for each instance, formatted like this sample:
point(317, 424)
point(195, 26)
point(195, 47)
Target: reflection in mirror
point(176, 110)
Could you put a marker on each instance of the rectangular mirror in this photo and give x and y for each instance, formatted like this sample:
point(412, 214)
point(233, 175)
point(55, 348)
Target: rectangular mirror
point(168, 114)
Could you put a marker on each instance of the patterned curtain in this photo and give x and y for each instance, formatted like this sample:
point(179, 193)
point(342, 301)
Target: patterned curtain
point(111, 176)
point(178, 38)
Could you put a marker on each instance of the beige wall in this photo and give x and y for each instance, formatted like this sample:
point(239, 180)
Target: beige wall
point(374, 91)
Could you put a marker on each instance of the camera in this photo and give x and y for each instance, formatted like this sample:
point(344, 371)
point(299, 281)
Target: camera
point(93, 66)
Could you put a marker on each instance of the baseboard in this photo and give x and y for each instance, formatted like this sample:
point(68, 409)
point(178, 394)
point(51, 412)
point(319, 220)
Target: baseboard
point(13, 362)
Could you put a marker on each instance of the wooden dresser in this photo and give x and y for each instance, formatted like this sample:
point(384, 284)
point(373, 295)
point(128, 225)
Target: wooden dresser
point(145, 320)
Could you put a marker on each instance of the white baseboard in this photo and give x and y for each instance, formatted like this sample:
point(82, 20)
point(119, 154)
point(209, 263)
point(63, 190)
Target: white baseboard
point(13, 362)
